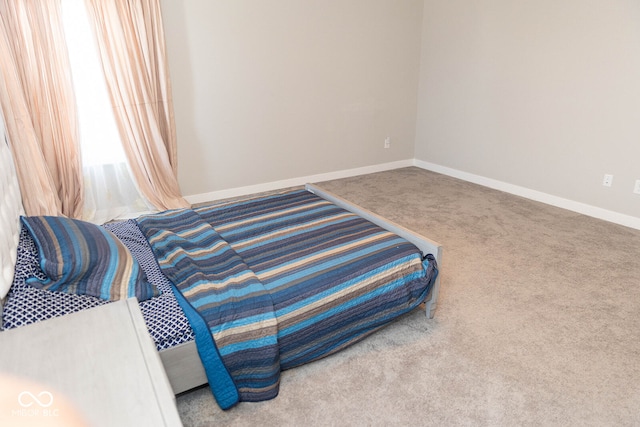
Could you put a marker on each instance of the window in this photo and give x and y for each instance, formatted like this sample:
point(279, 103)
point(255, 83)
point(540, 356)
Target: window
point(110, 191)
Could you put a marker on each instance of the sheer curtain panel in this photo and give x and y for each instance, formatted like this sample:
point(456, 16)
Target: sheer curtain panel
point(132, 48)
point(110, 190)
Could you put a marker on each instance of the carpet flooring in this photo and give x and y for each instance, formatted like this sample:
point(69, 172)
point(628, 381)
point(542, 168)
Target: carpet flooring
point(538, 323)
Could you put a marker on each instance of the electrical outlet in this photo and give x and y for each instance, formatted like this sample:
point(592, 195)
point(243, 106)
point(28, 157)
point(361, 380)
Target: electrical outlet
point(607, 181)
point(636, 189)
point(387, 142)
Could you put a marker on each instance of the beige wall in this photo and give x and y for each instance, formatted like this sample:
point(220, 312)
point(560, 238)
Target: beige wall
point(542, 94)
point(273, 90)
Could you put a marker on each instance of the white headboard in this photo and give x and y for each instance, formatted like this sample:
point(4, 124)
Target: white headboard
point(10, 211)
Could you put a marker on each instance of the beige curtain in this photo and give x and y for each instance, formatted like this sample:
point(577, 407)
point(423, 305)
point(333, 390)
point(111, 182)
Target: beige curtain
point(39, 107)
point(131, 44)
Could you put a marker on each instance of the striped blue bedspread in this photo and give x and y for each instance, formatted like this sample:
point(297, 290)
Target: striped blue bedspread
point(272, 282)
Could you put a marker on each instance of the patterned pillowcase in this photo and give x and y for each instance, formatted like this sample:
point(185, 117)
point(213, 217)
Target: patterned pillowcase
point(82, 258)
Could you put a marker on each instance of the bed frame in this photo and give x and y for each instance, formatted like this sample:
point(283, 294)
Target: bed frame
point(182, 363)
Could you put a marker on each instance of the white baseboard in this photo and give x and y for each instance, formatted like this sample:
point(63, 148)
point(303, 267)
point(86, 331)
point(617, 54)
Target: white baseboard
point(582, 208)
point(293, 182)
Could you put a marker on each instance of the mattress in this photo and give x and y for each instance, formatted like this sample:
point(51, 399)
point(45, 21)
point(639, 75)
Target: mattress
point(281, 280)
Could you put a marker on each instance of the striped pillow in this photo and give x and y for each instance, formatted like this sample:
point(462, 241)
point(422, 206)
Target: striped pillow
point(79, 257)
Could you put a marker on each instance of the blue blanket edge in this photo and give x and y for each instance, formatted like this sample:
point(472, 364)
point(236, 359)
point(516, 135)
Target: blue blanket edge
point(220, 381)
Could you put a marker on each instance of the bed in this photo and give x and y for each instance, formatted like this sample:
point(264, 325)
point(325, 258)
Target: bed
point(242, 289)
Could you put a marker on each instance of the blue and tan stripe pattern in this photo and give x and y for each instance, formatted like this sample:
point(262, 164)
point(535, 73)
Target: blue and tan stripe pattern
point(215, 285)
point(331, 277)
point(85, 259)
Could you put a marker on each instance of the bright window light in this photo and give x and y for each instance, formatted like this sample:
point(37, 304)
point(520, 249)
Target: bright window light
point(99, 136)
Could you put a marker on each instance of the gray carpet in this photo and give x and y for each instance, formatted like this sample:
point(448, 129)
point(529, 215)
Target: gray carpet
point(537, 323)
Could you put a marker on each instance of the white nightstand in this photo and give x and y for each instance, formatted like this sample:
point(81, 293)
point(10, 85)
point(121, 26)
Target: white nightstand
point(102, 360)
